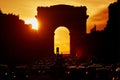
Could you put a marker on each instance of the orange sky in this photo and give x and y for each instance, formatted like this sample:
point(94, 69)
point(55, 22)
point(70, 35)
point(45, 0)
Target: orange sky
point(26, 9)
point(62, 40)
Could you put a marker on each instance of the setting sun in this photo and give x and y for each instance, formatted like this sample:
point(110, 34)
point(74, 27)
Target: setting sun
point(33, 22)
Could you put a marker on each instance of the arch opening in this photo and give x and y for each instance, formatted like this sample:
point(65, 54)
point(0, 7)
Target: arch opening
point(62, 40)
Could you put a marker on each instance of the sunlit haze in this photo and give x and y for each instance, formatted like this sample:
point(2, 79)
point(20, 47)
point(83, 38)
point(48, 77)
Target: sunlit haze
point(62, 40)
point(33, 22)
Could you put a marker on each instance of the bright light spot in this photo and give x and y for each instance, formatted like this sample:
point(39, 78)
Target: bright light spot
point(33, 22)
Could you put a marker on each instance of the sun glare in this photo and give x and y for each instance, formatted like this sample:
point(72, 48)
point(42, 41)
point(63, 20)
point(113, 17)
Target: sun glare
point(33, 22)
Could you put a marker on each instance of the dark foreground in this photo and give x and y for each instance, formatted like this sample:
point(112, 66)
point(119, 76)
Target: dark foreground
point(59, 69)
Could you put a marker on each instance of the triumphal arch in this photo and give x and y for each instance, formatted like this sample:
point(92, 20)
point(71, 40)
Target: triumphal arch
point(50, 18)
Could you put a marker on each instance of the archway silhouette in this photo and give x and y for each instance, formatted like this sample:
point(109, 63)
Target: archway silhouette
point(62, 40)
point(74, 18)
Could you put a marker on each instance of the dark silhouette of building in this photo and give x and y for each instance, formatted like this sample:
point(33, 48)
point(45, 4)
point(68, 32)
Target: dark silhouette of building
point(112, 30)
point(74, 18)
point(15, 39)
point(20, 44)
point(106, 44)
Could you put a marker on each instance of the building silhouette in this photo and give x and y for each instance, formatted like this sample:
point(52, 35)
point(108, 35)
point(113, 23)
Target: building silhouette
point(106, 43)
point(112, 29)
point(15, 39)
point(20, 44)
point(74, 18)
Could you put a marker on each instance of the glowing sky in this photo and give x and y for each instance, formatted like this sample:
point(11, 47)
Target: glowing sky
point(26, 9)
point(62, 42)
